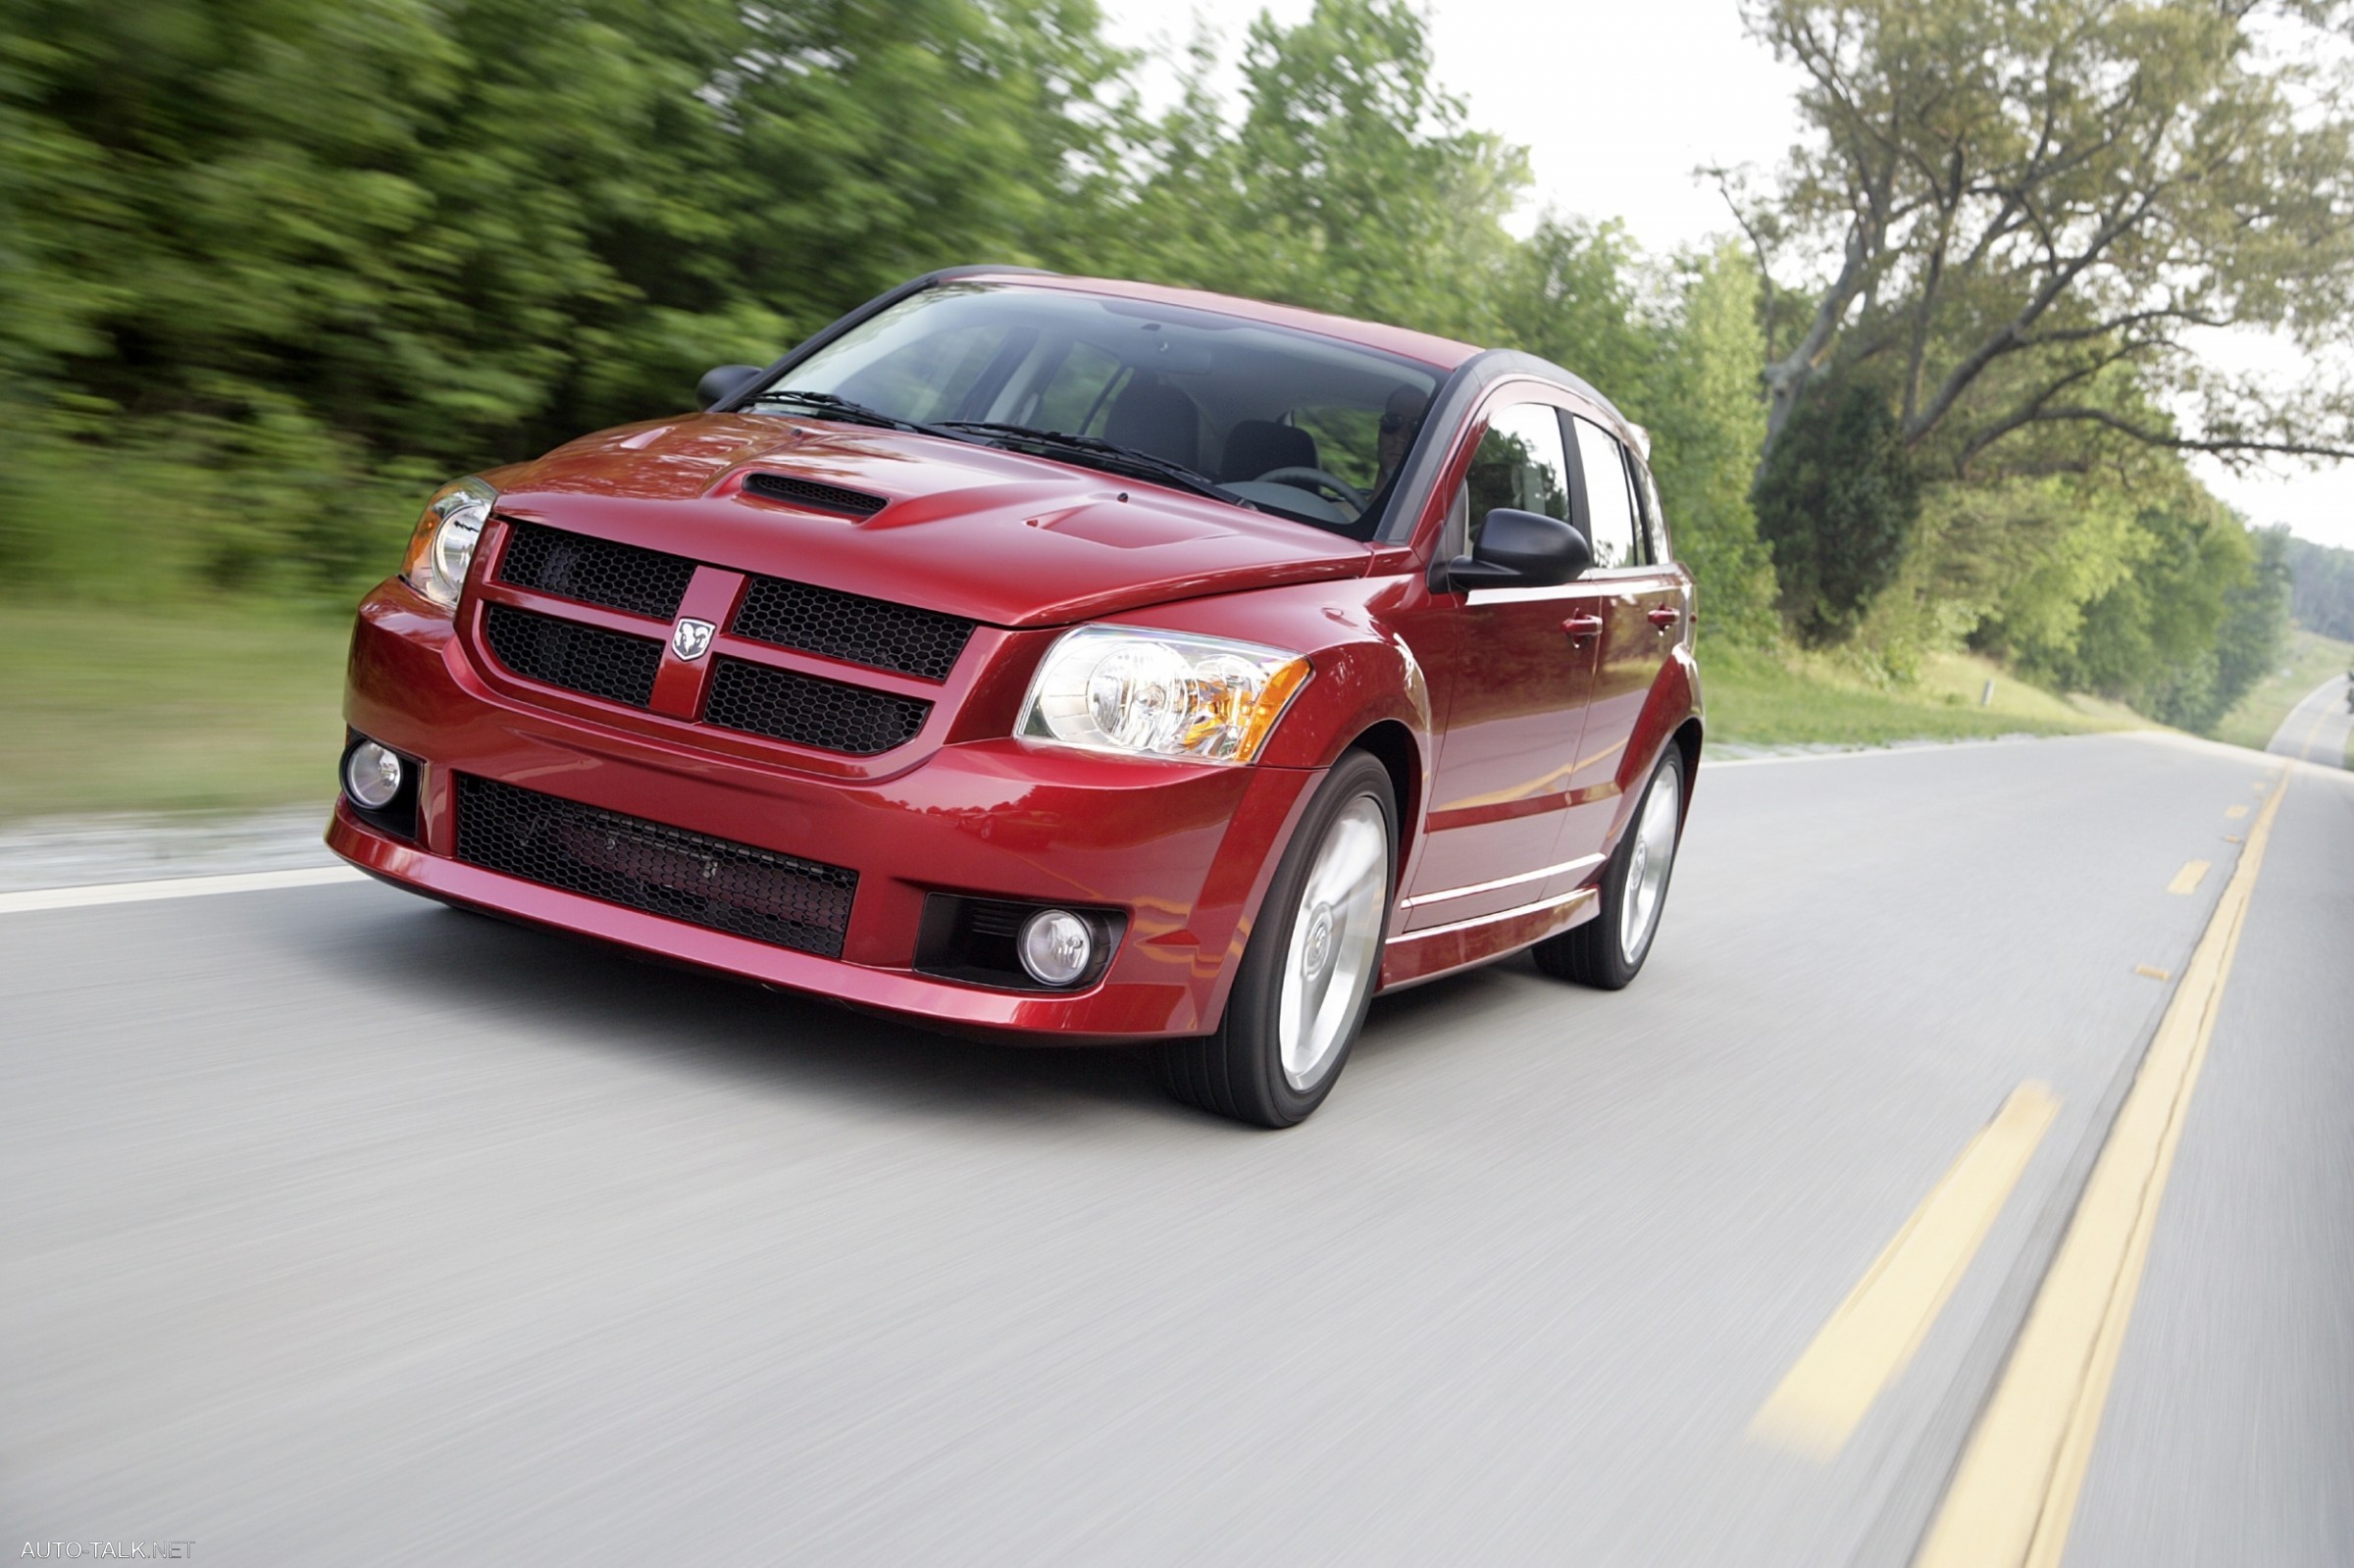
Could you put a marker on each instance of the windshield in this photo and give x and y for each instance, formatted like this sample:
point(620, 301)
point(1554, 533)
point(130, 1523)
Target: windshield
point(1310, 427)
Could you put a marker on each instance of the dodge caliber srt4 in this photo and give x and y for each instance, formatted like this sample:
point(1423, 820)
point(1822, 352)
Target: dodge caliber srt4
point(1068, 660)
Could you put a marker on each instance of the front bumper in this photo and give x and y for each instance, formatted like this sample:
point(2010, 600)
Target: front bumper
point(1185, 850)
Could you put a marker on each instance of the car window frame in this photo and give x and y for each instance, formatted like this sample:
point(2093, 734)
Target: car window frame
point(1449, 533)
point(1641, 532)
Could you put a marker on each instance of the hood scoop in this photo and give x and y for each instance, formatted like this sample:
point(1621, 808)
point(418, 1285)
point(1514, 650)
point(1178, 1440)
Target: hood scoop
point(798, 491)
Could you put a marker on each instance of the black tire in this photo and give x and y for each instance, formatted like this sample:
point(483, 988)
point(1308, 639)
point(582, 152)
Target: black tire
point(1594, 953)
point(1238, 1072)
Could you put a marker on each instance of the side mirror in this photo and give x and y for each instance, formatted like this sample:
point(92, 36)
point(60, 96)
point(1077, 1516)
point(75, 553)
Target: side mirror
point(1522, 550)
point(718, 386)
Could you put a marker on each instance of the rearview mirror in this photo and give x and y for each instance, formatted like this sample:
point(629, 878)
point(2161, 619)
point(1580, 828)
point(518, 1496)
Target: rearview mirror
point(1521, 550)
point(718, 386)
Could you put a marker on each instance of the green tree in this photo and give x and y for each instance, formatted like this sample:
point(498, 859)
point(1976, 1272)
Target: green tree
point(2322, 587)
point(2034, 201)
point(1700, 403)
point(1352, 183)
point(1837, 503)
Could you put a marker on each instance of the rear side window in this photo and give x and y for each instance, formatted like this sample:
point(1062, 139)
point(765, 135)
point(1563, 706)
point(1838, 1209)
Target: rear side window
point(1519, 464)
point(1609, 498)
point(1655, 519)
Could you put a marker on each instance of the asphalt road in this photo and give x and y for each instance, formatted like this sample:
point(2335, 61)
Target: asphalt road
point(342, 1229)
point(2317, 728)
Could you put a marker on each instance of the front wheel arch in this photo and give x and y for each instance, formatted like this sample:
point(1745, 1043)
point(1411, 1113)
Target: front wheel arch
point(1240, 1070)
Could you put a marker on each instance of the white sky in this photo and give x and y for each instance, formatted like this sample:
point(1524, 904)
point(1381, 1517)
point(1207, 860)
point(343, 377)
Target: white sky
point(1618, 104)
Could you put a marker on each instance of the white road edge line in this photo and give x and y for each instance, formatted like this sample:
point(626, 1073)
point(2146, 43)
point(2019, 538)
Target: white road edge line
point(140, 892)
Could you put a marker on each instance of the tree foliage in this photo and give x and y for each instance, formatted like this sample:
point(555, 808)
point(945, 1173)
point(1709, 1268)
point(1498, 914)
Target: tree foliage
point(2322, 593)
point(2032, 202)
point(270, 268)
point(1837, 503)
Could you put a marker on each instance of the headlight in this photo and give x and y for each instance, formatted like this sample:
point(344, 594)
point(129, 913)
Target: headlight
point(1160, 693)
point(443, 547)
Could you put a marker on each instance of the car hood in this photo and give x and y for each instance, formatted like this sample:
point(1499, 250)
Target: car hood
point(989, 535)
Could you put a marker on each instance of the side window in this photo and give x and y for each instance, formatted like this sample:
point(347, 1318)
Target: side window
point(1609, 502)
point(1655, 519)
point(1519, 464)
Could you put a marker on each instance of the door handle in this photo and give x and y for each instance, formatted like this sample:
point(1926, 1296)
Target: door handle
point(1583, 626)
point(1665, 617)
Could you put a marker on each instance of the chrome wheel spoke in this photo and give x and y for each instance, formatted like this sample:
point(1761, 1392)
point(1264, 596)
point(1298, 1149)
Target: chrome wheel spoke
point(1335, 929)
point(1350, 856)
point(1651, 855)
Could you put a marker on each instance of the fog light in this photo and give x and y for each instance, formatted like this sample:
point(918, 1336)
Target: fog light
point(372, 776)
point(1057, 946)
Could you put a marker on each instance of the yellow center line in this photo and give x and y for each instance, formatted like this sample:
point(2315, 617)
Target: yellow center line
point(2014, 1495)
point(2311, 733)
point(1874, 1332)
point(2187, 879)
point(2235, 812)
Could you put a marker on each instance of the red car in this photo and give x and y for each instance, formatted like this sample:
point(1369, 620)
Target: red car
point(1073, 660)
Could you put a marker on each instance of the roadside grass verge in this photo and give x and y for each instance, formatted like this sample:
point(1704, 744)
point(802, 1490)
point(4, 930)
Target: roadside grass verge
point(2310, 660)
point(197, 708)
point(1766, 699)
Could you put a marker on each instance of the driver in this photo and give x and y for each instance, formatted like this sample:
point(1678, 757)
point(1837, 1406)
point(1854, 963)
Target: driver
point(1401, 423)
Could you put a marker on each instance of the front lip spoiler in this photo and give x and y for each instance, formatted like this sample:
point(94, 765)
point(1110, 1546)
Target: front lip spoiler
point(1101, 1014)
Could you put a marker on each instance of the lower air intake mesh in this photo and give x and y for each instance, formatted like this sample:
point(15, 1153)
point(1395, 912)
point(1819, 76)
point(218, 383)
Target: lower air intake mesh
point(579, 658)
point(664, 870)
point(764, 700)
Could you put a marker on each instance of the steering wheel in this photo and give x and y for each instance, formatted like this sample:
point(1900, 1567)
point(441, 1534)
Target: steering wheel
point(1305, 478)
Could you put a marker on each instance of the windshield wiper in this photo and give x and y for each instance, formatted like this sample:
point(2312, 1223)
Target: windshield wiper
point(825, 405)
point(1107, 454)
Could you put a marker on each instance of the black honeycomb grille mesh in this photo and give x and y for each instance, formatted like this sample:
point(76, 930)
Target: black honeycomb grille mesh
point(579, 658)
point(619, 577)
point(787, 706)
point(853, 628)
point(809, 492)
point(623, 860)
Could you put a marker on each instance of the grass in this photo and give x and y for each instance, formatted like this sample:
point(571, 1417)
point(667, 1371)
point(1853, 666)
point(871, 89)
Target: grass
point(110, 709)
point(1765, 699)
point(2310, 659)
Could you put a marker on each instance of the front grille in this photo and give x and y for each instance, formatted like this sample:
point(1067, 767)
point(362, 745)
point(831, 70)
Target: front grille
point(619, 577)
point(623, 860)
point(787, 706)
point(853, 628)
point(810, 493)
point(579, 658)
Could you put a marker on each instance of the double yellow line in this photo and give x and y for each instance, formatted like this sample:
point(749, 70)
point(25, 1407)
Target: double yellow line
point(2015, 1493)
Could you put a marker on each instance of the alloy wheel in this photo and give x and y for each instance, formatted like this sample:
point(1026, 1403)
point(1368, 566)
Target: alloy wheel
point(1335, 942)
point(1651, 857)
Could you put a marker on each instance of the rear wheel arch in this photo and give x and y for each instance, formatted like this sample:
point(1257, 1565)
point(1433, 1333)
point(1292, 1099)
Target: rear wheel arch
point(1687, 741)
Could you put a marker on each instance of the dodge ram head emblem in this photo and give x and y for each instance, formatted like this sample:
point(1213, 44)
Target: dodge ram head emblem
point(690, 639)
